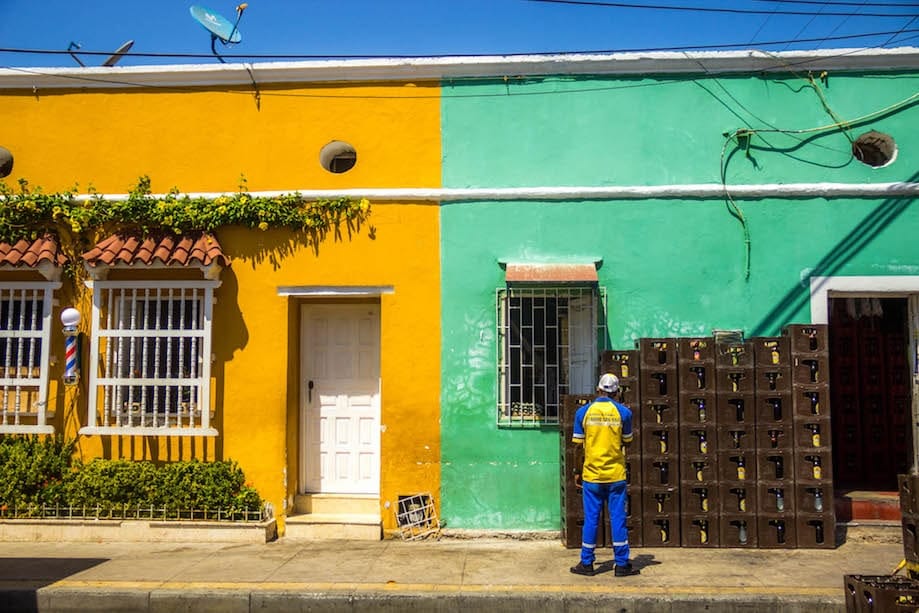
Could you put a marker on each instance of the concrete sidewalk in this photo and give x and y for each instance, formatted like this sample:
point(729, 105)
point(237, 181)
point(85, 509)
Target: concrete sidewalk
point(441, 575)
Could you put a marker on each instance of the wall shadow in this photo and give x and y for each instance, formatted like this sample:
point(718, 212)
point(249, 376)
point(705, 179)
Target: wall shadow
point(23, 577)
point(861, 235)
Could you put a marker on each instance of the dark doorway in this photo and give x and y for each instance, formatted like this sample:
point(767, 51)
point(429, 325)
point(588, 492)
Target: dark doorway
point(870, 392)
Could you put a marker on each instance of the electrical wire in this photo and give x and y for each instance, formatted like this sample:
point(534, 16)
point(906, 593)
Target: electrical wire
point(842, 23)
point(278, 56)
point(711, 9)
point(838, 3)
point(807, 25)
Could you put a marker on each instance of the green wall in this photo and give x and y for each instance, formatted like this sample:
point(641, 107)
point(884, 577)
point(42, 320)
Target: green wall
point(671, 267)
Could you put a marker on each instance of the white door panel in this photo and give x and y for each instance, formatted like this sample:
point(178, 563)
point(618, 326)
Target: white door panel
point(341, 411)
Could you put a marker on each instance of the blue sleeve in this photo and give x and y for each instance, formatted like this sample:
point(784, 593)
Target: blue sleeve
point(578, 433)
point(626, 415)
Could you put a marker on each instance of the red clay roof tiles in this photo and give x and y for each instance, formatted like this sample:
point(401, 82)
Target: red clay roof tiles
point(29, 254)
point(169, 249)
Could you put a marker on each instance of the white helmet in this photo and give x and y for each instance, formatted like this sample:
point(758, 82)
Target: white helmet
point(608, 383)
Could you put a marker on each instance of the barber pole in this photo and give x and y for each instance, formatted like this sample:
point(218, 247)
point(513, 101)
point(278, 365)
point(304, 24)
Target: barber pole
point(70, 359)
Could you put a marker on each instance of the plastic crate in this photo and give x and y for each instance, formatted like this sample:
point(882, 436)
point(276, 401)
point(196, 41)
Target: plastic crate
point(735, 409)
point(807, 338)
point(811, 369)
point(698, 468)
point(771, 351)
point(700, 530)
point(772, 379)
point(696, 376)
point(659, 412)
point(776, 497)
point(698, 439)
point(811, 400)
point(778, 437)
point(738, 498)
point(776, 531)
point(734, 355)
point(775, 408)
point(812, 433)
point(887, 593)
point(776, 465)
point(698, 407)
point(657, 352)
point(736, 438)
point(738, 531)
point(735, 380)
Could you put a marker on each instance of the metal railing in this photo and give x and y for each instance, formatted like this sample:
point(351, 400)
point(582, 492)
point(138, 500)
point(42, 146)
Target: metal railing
point(127, 512)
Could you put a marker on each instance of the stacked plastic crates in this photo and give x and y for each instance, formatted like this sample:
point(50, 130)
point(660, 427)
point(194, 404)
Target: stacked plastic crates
point(815, 513)
point(738, 462)
point(659, 445)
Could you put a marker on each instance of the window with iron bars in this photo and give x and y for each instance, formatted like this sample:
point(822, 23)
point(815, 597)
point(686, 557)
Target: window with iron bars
point(549, 340)
point(25, 346)
point(152, 358)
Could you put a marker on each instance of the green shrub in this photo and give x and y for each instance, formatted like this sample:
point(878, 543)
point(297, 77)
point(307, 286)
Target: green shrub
point(33, 469)
point(37, 471)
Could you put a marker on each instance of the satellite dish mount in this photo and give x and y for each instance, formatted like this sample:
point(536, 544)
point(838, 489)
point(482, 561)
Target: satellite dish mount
point(219, 26)
point(110, 61)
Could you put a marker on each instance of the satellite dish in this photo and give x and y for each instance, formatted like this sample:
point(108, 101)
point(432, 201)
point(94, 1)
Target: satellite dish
point(112, 59)
point(219, 26)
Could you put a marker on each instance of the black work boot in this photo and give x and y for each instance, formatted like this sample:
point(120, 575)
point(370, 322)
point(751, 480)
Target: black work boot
point(583, 569)
point(626, 570)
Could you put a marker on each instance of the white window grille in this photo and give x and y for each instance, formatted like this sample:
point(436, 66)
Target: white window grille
point(25, 349)
point(151, 358)
point(549, 341)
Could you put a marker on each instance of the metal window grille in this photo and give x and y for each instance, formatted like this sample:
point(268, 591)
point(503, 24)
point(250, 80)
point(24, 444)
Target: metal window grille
point(151, 358)
point(548, 341)
point(25, 347)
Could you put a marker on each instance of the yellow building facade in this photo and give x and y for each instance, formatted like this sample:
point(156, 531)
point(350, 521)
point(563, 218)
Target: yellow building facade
point(324, 357)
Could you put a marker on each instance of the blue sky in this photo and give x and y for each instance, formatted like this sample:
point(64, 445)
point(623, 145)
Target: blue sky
point(335, 28)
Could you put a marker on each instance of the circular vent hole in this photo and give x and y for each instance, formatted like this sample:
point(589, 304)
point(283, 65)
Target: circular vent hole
point(338, 157)
point(6, 162)
point(874, 149)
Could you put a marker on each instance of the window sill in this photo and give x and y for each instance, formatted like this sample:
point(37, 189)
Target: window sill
point(137, 431)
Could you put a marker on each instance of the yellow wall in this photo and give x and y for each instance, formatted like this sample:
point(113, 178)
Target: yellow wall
point(204, 141)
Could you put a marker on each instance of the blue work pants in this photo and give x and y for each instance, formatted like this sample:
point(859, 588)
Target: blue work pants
point(614, 496)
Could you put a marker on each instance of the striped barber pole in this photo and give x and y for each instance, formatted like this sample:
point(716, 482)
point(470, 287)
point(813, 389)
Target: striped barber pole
point(70, 358)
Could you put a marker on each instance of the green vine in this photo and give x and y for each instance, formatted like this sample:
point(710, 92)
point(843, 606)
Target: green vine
point(28, 213)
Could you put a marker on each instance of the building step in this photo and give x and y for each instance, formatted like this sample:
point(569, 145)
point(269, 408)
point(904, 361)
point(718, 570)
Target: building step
point(867, 506)
point(328, 526)
point(343, 504)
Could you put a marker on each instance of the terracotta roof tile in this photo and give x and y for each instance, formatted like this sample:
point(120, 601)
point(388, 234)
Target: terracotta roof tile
point(542, 273)
point(30, 254)
point(171, 250)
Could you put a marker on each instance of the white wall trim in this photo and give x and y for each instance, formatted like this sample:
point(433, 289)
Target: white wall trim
point(335, 290)
point(821, 289)
point(436, 68)
point(619, 192)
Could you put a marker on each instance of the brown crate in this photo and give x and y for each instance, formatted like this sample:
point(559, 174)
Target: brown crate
point(658, 383)
point(738, 531)
point(663, 531)
point(738, 498)
point(775, 437)
point(909, 492)
point(660, 440)
point(776, 497)
point(630, 396)
point(816, 531)
point(735, 409)
point(773, 409)
point(698, 439)
point(734, 355)
point(694, 377)
point(807, 499)
point(657, 352)
point(812, 433)
point(776, 531)
point(776, 465)
point(773, 379)
point(699, 498)
point(698, 469)
point(659, 412)
point(736, 438)
point(807, 338)
point(910, 527)
point(657, 501)
point(730, 468)
point(659, 471)
point(699, 349)
point(813, 466)
point(771, 351)
point(735, 380)
point(811, 369)
point(811, 400)
point(700, 530)
point(622, 363)
point(887, 593)
point(698, 407)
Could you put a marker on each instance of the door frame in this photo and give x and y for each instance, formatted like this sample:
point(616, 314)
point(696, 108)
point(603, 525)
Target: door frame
point(824, 288)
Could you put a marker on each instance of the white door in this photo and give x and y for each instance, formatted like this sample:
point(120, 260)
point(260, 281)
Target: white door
point(340, 398)
point(582, 351)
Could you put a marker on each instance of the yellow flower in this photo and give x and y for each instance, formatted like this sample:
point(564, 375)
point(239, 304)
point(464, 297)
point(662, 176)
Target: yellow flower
point(263, 226)
point(221, 200)
point(365, 205)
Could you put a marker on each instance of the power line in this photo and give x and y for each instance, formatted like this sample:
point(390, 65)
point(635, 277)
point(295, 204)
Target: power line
point(277, 56)
point(710, 9)
point(831, 3)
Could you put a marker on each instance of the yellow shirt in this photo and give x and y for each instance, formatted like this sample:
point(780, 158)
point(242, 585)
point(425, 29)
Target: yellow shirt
point(603, 426)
